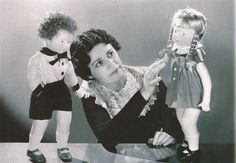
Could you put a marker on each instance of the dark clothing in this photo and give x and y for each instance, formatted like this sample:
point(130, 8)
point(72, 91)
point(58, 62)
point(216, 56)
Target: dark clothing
point(184, 83)
point(53, 96)
point(127, 126)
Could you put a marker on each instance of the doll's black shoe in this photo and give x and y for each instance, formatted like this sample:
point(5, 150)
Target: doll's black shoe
point(187, 154)
point(35, 157)
point(64, 154)
point(182, 147)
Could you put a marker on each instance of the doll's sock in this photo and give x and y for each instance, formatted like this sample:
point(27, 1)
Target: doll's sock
point(36, 133)
point(62, 139)
point(193, 142)
point(34, 141)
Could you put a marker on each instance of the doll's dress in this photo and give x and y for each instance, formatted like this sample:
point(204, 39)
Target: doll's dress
point(184, 88)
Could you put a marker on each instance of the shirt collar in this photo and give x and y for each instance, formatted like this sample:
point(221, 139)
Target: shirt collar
point(48, 51)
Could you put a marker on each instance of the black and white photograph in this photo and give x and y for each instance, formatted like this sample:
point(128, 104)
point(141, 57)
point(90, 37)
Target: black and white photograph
point(117, 81)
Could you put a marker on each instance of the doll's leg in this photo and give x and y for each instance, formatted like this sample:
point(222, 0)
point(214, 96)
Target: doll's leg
point(189, 126)
point(179, 114)
point(63, 128)
point(36, 133)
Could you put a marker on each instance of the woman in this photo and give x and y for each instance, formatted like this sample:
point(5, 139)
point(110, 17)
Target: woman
point(123, 104)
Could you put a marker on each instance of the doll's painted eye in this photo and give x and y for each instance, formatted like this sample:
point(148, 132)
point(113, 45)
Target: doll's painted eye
point(62, 41)
point(183, 34)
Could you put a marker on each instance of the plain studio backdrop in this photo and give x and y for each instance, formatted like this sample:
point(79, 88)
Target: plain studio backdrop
point(142, 28)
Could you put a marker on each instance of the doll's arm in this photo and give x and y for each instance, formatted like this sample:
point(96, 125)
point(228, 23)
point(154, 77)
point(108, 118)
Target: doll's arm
point(207, 85)
point(34, 75)
point(70, 78)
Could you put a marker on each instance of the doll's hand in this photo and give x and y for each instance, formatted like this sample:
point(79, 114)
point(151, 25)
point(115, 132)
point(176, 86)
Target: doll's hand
point(165, 58)
point(163, 54)
point(205, 106)
point(77, 93)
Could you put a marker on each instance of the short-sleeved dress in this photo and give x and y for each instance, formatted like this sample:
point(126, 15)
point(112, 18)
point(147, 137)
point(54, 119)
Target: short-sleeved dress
point(182, 79)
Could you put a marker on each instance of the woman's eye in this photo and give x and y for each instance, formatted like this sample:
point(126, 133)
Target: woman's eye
point(110, 54)
point(62, 41)
point(183, 34)
point(99, 63)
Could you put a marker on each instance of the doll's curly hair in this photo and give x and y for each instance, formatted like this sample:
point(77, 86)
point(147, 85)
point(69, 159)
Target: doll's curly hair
point(53, 22)
point(83, 44)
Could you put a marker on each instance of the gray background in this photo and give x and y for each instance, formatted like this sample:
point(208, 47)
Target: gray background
point(142, 27)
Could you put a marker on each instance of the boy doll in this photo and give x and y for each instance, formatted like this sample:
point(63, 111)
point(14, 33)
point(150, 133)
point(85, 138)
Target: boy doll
point(48, 71)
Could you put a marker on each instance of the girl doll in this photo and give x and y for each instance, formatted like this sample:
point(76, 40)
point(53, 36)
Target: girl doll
point(189, 83)
point(48, 70)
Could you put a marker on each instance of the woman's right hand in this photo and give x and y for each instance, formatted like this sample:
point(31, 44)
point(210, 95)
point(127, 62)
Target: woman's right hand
point(151, 78)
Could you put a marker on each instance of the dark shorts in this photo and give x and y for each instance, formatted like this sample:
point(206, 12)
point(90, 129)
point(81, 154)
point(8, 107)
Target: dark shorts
point(53, 96)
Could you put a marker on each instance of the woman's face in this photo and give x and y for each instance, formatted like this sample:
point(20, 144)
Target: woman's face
point(105, 65)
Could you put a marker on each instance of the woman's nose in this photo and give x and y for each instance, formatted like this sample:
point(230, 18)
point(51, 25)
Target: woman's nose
point(112, 63)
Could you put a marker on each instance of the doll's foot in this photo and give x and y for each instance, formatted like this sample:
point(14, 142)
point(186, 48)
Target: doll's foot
point(64, 154)
point(187, 154)
point(36, 156)
point(182, 147)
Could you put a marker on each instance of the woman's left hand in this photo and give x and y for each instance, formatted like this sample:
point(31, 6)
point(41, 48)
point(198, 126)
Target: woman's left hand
point(162, 138)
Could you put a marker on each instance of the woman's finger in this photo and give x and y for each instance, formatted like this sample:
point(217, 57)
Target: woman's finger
point(153, 70)
point(157, 63)
point(156, 81)
point(162, 138)
point(156, 69)
point(169, 141)
point(155, 139)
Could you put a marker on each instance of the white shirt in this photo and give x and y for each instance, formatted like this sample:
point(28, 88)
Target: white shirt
point(40, 71)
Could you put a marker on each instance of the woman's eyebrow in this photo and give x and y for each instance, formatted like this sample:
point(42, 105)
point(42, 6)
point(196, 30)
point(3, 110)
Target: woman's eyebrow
point(96, 61)
point(109, 50)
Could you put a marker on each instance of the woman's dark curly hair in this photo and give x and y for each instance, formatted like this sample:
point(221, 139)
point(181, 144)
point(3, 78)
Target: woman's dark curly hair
point(53, 22)
point(83, 44)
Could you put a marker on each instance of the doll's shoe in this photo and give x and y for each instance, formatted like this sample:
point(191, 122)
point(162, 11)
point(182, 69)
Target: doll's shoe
point(64, 154)
point(36, 156)
point(182, 147)
point(187, 154)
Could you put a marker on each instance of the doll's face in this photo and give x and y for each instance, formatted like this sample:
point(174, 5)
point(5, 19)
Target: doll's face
point(61, 42)
point(182, 36)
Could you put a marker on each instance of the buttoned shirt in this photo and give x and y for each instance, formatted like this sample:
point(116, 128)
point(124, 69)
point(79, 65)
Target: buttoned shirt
point(40, 71)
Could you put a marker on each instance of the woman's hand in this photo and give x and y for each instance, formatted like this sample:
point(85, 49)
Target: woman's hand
point(151, 78)
point(161, 139)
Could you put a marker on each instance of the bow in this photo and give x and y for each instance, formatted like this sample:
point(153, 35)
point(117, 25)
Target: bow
point(59, 56)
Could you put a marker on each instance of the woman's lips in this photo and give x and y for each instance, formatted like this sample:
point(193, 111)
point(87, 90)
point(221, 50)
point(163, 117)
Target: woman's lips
point(115, 71)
